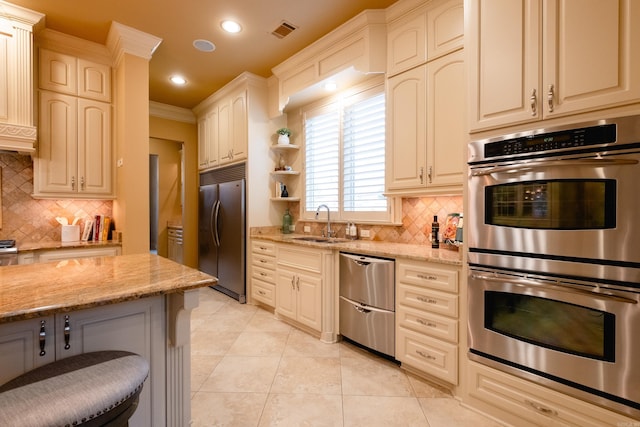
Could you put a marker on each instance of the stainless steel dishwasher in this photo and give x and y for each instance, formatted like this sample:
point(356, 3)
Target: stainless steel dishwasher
point(367, 301)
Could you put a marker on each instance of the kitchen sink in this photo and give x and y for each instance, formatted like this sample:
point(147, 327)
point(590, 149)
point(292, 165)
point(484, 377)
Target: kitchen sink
point(319, 239)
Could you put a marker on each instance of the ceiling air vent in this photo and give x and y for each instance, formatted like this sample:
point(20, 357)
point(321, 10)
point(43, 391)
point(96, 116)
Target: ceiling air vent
point(283, 30)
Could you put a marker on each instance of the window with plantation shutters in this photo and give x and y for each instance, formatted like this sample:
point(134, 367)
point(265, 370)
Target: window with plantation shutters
point(345, 157)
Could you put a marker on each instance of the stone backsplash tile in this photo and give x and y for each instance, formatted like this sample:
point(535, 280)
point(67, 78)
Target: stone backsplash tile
point(417, 216)
point(26, 219)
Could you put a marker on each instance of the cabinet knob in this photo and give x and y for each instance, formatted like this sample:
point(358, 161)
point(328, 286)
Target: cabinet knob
point(430, 174)
point(82, 183)
point(73, 183)
point(421, 175)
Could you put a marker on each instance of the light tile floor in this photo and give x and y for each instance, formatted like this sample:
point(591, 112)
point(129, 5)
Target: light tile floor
point(250, 369)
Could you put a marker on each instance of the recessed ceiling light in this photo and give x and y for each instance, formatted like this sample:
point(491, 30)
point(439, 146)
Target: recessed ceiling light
point(231, 26)
point(204, 45)
point(178, 80)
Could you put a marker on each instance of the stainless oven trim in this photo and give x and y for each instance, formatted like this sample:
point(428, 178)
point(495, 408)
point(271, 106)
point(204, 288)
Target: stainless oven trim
point(607, 378)
point(628, 129)
point(611, 275)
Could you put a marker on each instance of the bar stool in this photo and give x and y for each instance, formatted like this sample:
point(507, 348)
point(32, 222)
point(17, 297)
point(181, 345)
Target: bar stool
point(89, 390)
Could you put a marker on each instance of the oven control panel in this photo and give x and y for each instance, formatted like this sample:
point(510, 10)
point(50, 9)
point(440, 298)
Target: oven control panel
point(582, 137)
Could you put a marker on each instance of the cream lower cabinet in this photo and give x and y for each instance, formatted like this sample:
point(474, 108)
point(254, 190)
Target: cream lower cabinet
point(427, 318)
point(522, 403)
point(263, 272)
point(74, 156)
point(303, 283)
point(538, 59)
point(136, 326)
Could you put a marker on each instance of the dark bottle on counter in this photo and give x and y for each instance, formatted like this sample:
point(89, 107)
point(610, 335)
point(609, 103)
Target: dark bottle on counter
point(435, 231)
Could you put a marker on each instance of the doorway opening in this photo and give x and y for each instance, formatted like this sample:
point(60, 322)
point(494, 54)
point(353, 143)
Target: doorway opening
point(166, 191)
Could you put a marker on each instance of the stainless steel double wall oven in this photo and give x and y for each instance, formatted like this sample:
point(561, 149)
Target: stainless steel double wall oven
point(554, 258)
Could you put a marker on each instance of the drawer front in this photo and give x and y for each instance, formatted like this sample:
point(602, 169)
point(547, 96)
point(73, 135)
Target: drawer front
point(425, 275)
point(427, 299)
point(430, 355)
point(263, 292)
point(428, 323)
point(263, 261)
point(262, 247)
point(532, 405)
point(264, 274)
point(172, 232)
point(299, 258)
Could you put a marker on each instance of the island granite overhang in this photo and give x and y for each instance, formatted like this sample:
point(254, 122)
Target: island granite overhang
point(34, 290)
point(139, 303)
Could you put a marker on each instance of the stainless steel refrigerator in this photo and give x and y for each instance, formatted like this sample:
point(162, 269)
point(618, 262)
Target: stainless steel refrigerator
point(221, 231)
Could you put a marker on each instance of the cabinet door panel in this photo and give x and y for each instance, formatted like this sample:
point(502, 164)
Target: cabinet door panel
point(446, 121)
point(224, 133)
point(94, 147)
point(57, 148)
point(239, 126)
point(309, 290)
point(504, 62)
point(94, 80)
point(406, 43)
point(20, 346)
point(406, 133)
point(590, 54)
point(58, 72)
point(286, 293)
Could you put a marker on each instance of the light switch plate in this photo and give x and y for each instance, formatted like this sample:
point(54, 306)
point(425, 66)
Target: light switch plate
point(307, 229)
point(364, 233)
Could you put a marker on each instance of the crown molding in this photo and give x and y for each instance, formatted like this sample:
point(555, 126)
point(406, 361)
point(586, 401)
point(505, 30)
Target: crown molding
point(171, 112)
point(122, 39)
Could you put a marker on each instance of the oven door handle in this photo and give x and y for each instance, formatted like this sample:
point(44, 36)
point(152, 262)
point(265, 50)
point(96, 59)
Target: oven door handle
point(523, 167)
point(557, 287)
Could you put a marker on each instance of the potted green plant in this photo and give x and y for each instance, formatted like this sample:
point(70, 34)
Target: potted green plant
point(283, 135)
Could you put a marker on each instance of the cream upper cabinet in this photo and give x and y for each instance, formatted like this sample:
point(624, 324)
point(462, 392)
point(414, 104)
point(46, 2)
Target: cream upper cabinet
point(74, 76)
point(424, 34)
point(406, 42)
point(406, 155)
point(446, 121)
point(208, 139)
point(426, 128)
point(232, 128)
point(74, 150)
point(223, 123)
point(537, 59)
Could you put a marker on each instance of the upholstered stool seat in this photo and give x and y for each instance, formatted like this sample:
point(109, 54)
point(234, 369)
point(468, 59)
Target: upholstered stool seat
point(90, 389)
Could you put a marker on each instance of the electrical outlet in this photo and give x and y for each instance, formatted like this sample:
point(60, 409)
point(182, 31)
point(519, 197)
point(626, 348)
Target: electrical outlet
point(364, 233)
point(307, 229)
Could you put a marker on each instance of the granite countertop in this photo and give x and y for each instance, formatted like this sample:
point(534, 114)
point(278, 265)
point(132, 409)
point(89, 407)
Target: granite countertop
point(375, 248)
point(33, 290)
point(35, 246)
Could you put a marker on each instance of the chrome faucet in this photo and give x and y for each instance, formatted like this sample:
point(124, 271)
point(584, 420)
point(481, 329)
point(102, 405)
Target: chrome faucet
point(329, 232)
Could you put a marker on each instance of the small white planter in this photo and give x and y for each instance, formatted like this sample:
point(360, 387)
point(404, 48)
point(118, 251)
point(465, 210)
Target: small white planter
point(283, 139)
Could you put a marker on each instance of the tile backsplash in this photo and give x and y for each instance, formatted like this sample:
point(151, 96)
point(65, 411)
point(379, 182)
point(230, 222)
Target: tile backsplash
point(417, 216)
point(26, 219)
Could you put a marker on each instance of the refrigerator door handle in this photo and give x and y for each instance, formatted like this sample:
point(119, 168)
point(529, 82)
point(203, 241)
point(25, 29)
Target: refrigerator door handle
point(215, 216)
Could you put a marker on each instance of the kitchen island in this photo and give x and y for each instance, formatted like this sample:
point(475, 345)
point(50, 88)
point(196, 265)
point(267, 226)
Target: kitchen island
point(139, 303)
